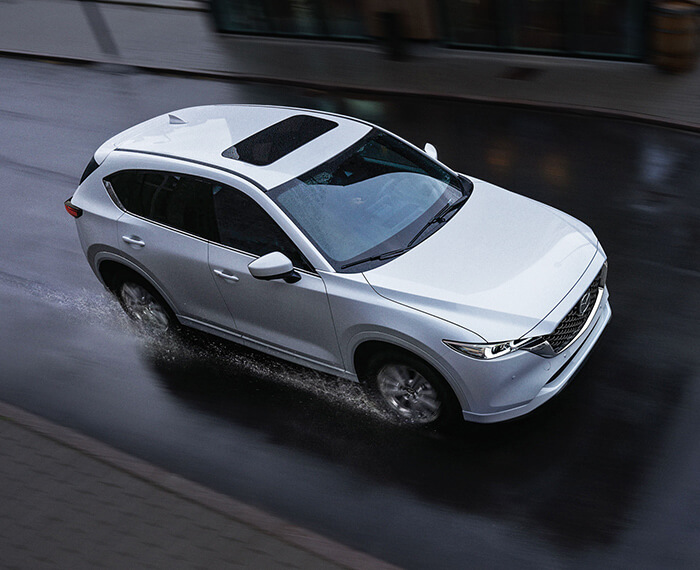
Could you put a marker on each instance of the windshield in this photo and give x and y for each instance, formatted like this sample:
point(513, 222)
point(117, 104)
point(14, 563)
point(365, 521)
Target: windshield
point(374, 197)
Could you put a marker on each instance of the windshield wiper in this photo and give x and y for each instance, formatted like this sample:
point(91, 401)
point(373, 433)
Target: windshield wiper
point(378, 257)
point(439, 217)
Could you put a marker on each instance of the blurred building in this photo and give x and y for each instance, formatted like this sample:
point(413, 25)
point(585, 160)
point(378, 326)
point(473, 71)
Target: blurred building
point(592, 28)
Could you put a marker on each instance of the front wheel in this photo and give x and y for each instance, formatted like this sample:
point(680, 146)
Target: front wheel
point(145, 307)
point(411, 390)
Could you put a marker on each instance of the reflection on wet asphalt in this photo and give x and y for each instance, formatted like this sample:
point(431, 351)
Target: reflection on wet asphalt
point(605, 474)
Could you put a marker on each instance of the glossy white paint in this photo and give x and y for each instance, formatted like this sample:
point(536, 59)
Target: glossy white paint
point(497, 268)
point(208, 130)
point(270, 266)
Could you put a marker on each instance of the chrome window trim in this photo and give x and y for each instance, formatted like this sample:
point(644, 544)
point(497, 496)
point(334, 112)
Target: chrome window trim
point(155, 223)
point(108, 186)
point(246, 179)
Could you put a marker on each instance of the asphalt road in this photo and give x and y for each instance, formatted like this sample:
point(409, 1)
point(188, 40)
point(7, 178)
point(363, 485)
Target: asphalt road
point(604, 475)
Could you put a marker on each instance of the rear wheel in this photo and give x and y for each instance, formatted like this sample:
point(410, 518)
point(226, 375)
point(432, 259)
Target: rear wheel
point(145, 306)
point(411, 390)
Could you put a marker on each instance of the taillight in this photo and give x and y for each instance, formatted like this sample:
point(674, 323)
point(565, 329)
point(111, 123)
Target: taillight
point(72, 210)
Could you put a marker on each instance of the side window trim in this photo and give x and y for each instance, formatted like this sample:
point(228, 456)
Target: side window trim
point(115, 198)
point(253, 256)
point(309, 269)
point(167, 227)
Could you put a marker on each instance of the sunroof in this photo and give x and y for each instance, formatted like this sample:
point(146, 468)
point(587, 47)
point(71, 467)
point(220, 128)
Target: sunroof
point(278, 140)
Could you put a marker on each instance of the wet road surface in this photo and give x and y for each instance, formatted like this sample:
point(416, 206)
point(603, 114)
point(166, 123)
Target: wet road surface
point(606, 474)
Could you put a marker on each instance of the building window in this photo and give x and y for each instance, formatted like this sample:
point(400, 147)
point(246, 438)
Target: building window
point(613, 28)
point(568, 27)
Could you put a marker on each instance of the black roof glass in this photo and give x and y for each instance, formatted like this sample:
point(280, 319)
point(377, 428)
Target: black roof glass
point(278, 140)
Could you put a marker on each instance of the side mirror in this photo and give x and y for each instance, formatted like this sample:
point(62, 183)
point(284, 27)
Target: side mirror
point(431, 151)
point(273, 265)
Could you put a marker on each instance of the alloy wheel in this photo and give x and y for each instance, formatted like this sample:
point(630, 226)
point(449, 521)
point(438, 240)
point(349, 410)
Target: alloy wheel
point(144, 307)
point(408, 393)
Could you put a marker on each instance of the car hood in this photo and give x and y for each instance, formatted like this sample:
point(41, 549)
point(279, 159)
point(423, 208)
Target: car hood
point(497, 267)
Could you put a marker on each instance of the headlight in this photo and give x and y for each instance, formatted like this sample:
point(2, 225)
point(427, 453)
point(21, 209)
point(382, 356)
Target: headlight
point(487, 351)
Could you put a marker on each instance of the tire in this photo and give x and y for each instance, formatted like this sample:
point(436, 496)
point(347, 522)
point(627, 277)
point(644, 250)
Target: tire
point(411, 390)
point(142, 303)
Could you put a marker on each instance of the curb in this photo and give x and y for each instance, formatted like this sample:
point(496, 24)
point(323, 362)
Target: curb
point(195, 493)
point(617, 114)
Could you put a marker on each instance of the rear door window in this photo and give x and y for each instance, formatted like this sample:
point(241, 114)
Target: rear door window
point(180, 201)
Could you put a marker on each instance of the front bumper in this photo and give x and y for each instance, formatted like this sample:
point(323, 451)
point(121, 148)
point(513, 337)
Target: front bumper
point(508, 387)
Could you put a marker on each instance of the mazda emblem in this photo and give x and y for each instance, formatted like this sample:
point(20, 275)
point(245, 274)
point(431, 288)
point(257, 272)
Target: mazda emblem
point(584, 303)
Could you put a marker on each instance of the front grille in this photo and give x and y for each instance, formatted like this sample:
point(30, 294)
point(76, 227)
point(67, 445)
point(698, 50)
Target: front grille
point(572, 323)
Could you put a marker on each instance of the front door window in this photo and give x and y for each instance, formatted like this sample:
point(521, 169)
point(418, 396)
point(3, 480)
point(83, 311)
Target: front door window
point(293, 318)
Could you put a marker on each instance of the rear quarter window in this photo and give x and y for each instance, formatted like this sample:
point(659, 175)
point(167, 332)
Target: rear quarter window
point(89, 169)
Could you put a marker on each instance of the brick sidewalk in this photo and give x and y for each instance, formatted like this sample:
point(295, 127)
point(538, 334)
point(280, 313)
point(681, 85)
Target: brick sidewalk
point(71, 502)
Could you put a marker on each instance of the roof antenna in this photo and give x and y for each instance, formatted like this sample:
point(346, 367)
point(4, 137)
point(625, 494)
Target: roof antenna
point(175, 120)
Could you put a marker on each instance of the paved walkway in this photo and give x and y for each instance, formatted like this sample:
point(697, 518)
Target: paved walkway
point(181, 38)
point(71, 502)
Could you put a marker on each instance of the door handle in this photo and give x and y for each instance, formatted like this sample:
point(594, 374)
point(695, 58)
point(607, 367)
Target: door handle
point(134, 240)
point(221, 273)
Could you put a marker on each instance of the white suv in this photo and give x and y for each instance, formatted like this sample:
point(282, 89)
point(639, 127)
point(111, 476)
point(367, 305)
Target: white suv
point(329, 242)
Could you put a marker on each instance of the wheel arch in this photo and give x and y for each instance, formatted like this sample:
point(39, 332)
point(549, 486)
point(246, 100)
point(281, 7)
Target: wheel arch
point(369, 352)
point(367, 348)
point(112, 270)
point(112, 273)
